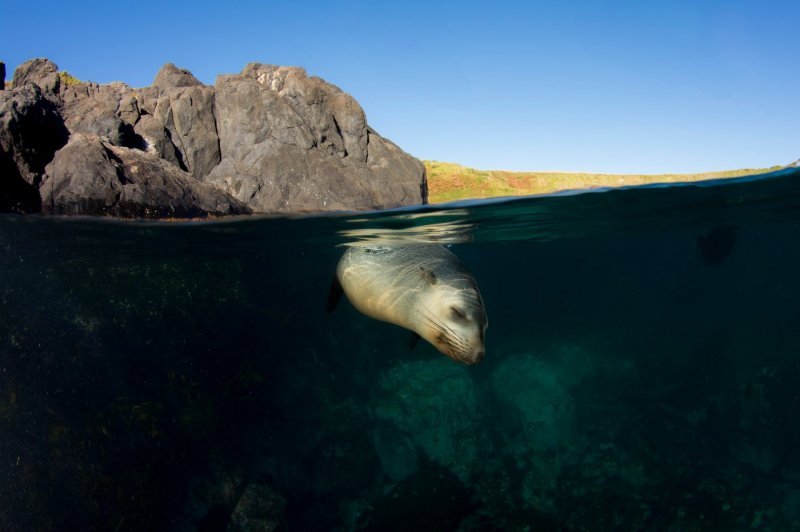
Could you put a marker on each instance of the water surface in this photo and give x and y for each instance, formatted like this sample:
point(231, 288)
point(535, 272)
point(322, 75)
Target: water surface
point(642, 370)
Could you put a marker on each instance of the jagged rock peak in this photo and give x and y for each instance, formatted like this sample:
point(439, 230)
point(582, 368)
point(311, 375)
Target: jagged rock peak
point(170, 76)
point(39, 71)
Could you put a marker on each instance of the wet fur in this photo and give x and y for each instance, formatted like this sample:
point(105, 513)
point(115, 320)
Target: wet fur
point(417, 287)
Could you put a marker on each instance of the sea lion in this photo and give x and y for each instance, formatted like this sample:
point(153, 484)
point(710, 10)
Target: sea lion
point(424, 288)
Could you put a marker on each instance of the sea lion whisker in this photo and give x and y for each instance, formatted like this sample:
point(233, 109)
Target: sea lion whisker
point(437, 327)
point(452, 337)
point(438, 320)
point(432, 320)
point(448, 337)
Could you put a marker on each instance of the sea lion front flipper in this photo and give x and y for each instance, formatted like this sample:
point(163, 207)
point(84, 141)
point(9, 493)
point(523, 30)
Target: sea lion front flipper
point(334, 294)
point(413, 341)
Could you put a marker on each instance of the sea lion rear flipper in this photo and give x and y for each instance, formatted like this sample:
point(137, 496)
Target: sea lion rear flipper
point(334, 294)
point(413, 341)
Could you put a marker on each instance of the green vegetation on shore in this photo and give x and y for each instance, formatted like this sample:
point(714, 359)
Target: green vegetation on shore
point(450, 181)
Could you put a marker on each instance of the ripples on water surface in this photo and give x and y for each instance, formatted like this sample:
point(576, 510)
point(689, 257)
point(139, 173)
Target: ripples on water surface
point(642, 370)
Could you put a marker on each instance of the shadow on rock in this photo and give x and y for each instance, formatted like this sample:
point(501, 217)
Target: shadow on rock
point(431, 499)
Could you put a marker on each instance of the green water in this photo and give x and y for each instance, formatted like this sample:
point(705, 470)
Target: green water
point(642, 371)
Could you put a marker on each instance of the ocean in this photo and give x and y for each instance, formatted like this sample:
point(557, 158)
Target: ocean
point(642, 370)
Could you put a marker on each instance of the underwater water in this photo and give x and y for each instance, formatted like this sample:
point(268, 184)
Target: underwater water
point(642, 370)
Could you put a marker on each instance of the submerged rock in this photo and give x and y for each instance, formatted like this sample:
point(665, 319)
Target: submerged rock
point(434, 404)
point(344, 461)
point(260, 509)
point(538, 413)
point(396, 451)
point(432, 499)
point(768, 434)
point(534, 399)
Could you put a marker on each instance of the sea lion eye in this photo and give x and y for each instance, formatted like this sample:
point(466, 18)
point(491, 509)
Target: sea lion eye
point(457, 314)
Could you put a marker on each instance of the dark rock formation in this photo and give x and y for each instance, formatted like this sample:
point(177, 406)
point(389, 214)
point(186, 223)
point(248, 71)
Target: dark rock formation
point(155, 139)
point(187, 116)
point(90, 175)
point(41, 72)
point(270, 139)
point(94, 109)
point(31, 130)
point(15, 194)
point(291, 142)
point(170, 77)
point(2, 76)
point(431, 499)
point(260, 508)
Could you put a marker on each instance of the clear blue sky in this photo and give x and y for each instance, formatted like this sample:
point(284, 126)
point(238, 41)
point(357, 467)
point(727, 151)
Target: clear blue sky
point(633, 86)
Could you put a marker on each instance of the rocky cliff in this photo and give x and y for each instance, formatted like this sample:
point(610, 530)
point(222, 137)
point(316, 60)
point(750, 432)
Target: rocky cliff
point(270, 139)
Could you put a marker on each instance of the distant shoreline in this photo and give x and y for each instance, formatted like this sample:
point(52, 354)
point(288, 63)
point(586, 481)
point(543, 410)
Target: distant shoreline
point(451, 181)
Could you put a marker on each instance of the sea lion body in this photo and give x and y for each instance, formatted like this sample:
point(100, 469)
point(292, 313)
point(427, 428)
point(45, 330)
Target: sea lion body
point(424, 288)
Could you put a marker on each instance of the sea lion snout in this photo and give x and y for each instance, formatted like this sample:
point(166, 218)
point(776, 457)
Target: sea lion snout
point(455, 323)
point(468, 360)
point(472, 359)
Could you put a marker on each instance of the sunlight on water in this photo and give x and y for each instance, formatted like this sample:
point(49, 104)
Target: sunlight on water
point(423, 229)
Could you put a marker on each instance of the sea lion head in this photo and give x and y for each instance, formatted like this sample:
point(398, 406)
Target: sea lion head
point(453, 319)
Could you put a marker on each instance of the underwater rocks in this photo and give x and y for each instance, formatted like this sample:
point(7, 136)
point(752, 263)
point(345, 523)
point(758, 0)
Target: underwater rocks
point(539, 410)
point(260, 509)
point(396, 451)
point(220, 499)
point(271, 139)
point(536, 402)
point(768, 434)
point(431, 499)
point(433, 413)
point(434, 404)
